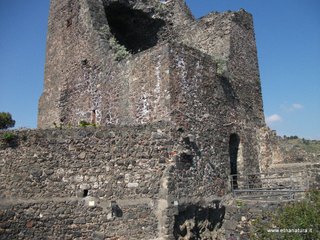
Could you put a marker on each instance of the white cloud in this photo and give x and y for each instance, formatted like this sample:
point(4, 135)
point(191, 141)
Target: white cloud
point(273, 118)
point(292, 107)
point(297, 106)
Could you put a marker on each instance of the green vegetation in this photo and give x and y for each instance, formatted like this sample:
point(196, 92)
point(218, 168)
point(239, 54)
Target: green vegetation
point(8, 137)
point(296, 221)
point(69, 125)
point(120, 51)
point(290, 137)
point(221, 66)
point(86, 124)
point(6, 120)
point(310, 146)
point(240, 203)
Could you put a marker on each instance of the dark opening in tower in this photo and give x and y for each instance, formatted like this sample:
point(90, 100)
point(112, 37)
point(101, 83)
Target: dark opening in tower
point(234, 142)
point(134, 29)
point(93, 117)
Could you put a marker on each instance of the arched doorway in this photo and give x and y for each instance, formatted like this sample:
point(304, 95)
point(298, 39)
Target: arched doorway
point(234, 142)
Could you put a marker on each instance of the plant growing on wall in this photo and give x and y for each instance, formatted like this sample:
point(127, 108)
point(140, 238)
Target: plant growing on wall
point(8, 139)
point(119, 50)
point(86, 124)
point(222, 68)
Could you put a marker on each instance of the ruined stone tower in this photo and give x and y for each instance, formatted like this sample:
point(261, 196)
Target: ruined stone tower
point(178, 108)
point(141, 62)
point(135, 62)
point(178, 105)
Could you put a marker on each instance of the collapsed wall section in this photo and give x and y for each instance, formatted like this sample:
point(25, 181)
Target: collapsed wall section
point(134, 29)
point(209, 34)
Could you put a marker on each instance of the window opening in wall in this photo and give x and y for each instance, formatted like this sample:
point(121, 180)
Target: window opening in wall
point(69, 22)
point(93, 117)
point(85, 192)
point(134, 29)
point(116, 210)
point(234, 142)
point(184, 161)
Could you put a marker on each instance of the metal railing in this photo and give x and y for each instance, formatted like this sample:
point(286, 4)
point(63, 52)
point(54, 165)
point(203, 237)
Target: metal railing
point(269, 186)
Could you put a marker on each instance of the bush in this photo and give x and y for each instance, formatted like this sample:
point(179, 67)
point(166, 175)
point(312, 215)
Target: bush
point(286, 223)
point(6, 120)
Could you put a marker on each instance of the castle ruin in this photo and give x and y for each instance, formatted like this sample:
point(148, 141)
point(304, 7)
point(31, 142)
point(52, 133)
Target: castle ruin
point(138, 62)
point(179, 108)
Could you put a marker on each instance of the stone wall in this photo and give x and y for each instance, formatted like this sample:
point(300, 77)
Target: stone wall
point(83, 54)
point(61, 183)
point(278, 155)
point(90, 70)
point(234, 49)
point(194, 73)
point(276, 150)
point(179, 108)
point(115, 182)
point(107, 183)
point(243, 67)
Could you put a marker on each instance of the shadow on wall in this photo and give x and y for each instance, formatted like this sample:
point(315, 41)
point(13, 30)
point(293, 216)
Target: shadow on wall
point(195, 222)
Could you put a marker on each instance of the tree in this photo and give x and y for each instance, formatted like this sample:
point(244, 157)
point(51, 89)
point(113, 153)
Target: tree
point(6, 120)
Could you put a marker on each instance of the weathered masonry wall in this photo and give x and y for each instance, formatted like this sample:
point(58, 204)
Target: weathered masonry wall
point(234, 49)
point(104, 182)
point(49, 181)
point(83, 51)
point(135, 181)
point(179, 108)
point(94, 69)
point(145, 182)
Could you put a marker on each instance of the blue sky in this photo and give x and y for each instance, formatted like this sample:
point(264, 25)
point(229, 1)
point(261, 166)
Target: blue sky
point(288, 42)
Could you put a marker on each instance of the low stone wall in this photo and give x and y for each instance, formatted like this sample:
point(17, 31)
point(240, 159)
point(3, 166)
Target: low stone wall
point(116, 181)
point(106, 182)
point(123, 161)
point(86, 183)
point(73, 219)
